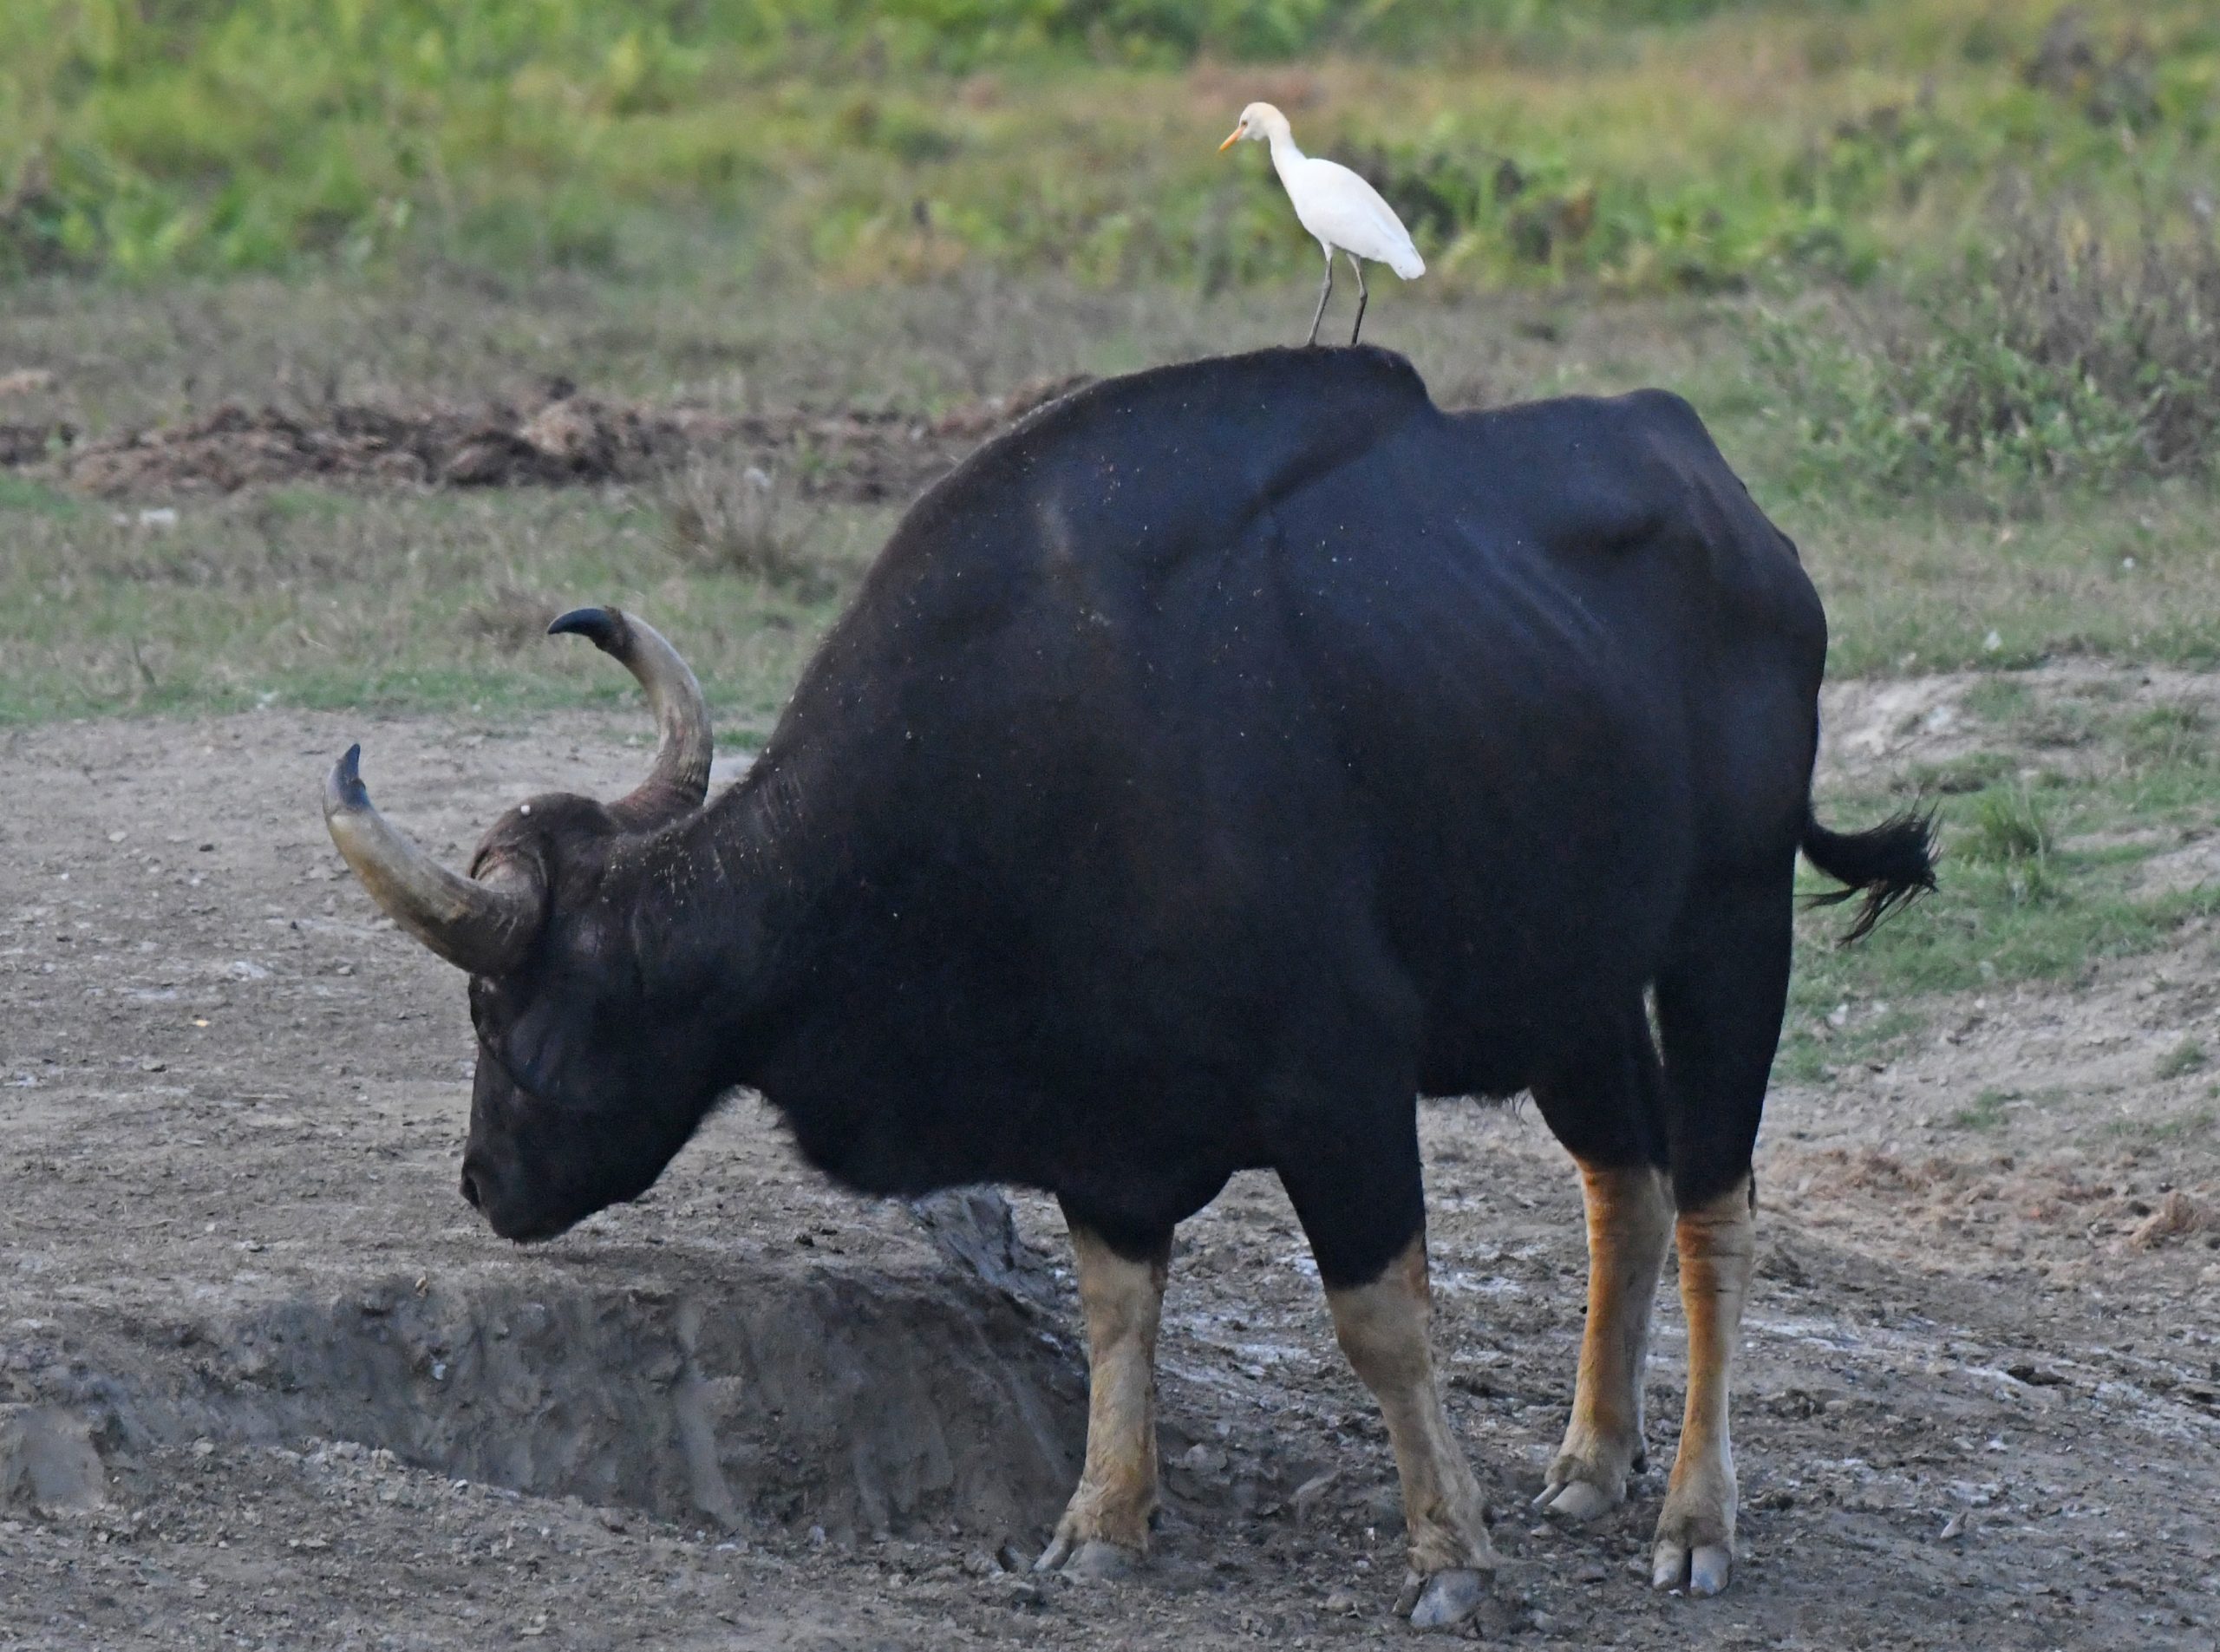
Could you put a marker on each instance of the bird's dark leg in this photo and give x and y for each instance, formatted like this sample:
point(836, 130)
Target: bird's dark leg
point(1325, 292)
point(1362, 296)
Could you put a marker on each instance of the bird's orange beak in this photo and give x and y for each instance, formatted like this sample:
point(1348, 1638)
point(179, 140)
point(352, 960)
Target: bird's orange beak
point(1234, 137)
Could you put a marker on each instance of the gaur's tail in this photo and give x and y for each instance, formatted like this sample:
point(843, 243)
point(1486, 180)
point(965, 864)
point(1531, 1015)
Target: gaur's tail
point(1892, 865)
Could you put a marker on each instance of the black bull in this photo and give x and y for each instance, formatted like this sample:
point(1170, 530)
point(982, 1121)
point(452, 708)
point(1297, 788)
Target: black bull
point(1207, 770)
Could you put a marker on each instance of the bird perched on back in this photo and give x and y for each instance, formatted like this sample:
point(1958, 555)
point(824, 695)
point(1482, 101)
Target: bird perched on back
point(1338, 207)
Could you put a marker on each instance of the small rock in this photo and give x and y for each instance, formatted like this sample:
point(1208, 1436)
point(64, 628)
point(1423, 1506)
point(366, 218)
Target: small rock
point(1341, 1603)
point(1311, 1492)
point(979, 1564)
point(27, 380)
point(47, 1460)
point(1203, 1459)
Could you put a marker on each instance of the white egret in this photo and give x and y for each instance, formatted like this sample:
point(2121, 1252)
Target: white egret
point(1338, 207)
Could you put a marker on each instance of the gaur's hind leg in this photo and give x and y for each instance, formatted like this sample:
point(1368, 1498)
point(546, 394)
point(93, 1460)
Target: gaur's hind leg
point(1719, 1007)
point(1609, 1113)
point(1629, 1218)
point(1105, 1527)
point(1362, 1204)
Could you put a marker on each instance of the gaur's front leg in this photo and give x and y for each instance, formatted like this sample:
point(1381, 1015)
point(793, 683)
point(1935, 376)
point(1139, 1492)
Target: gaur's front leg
point(1629, 1219)
point(1382, 1327)
point(1361, 1201)
point(1105, 1527)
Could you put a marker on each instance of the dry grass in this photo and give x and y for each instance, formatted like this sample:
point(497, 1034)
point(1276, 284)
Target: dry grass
point(2178, 1215)
point(509, 618)
point(2060, 352)
point(721, 518)
point(409, 597)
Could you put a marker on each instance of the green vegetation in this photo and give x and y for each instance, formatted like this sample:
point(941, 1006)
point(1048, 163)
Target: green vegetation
point(2007, 827)
point(1646, 144)
point(2052, 355)
point(1986, 1112)
point(309, 599)
point(2038, 884)
point(2186, 1057)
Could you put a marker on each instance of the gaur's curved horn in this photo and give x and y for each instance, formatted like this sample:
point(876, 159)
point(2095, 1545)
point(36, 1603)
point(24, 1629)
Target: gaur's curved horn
point(482, 925)
point(680, 778)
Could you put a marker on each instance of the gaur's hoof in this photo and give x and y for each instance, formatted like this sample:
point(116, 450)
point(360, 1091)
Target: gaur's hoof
point(1704, 1571)
point(1097, 1559)
point(1444, 1600)
point(1576, 1500)
point(1089, 1558)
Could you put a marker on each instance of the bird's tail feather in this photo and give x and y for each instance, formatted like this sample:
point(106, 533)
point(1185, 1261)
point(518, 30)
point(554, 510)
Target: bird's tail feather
point(1407, 265)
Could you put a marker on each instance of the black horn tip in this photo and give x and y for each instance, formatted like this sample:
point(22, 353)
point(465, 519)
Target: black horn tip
point(342, 787)
point(604, 627)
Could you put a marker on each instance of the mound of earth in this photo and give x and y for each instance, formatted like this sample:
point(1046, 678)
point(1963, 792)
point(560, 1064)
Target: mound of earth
point(562, 437)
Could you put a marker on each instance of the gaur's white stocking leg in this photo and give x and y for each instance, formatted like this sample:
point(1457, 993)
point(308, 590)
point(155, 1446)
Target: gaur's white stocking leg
point(1629, 1218)
point(1382, 1327)
point(1105, 1527)
point(1720, 1001)
point(1695, 1531)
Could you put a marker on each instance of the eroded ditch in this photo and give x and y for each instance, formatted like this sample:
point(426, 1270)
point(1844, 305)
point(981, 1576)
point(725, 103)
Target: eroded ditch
point(863, 1401)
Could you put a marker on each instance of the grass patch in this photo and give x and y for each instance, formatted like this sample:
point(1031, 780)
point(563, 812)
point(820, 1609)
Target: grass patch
point(393, 601)
point(1913, 586)
point(746, 521)
point(1974, 771)
point(2055, 354)
point(2007, 827)
point(2185, 1058)
point(1648, 145)
point(1986, 1112)
point(2195, 1126)
point(2005, 912)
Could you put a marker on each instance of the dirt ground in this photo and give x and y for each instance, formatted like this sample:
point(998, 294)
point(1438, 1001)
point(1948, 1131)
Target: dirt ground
point(555, 435)
point(264, 1381)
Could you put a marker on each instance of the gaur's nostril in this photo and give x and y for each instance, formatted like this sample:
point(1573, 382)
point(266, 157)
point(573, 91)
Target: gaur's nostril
point(470, 1189)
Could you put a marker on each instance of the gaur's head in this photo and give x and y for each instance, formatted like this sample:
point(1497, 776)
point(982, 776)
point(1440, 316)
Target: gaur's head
point(587, 1079)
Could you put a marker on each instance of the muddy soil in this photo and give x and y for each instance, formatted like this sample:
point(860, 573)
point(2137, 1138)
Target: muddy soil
point(266, 1383)
point(556, 436)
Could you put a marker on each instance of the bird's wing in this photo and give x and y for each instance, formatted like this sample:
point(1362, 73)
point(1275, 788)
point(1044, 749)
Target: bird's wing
point(1337, 205)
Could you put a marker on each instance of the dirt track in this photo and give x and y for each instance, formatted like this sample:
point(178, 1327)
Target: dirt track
point(275, 1387)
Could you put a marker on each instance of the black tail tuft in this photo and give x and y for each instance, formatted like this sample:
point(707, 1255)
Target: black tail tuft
point(1892, 865)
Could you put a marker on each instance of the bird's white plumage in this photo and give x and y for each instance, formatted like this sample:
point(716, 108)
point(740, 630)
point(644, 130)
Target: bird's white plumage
point(1339, 208)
